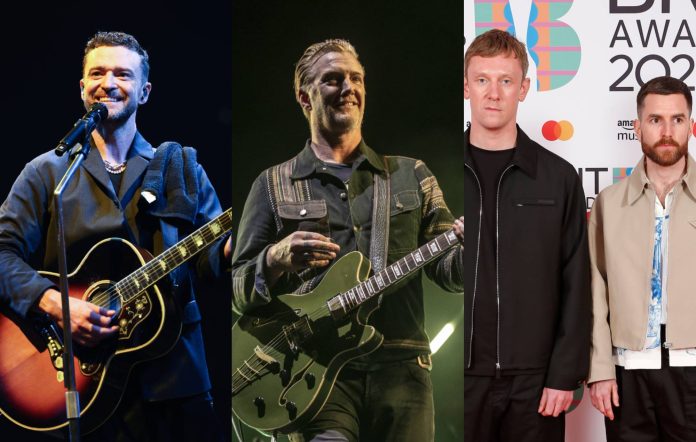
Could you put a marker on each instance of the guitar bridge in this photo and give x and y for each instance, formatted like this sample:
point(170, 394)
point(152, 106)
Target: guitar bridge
point(54, 344)
point(297, 333)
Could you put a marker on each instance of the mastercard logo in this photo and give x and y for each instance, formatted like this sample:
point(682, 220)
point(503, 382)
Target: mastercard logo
point(693, 129)
point(557, 130)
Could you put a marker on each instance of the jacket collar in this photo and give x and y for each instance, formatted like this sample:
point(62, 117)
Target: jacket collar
point(308, 163)
point(524, 157)
point(139, 155)
point(140, 147)
point(638, 179)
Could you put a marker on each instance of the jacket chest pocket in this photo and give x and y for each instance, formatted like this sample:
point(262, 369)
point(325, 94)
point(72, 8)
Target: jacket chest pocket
point(404, 223)
point(534, 218)
point(306, 216)
point(533, 202)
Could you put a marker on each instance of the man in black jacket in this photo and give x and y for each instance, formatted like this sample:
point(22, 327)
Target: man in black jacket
point(526, 267)
point(302, 215)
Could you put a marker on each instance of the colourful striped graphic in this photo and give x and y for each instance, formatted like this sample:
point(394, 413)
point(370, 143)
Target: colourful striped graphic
point(493, 14)
point(553, 45)
point(621, 173)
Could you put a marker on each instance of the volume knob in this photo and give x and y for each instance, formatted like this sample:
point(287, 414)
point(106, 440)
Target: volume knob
point(310, 379)
point(292, 410)
point(260, 404)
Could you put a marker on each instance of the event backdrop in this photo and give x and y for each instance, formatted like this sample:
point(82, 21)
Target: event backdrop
point(587, 61)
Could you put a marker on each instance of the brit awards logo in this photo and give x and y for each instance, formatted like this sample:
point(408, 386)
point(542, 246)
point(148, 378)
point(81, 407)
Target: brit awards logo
point(553, 45)
point(621, 173)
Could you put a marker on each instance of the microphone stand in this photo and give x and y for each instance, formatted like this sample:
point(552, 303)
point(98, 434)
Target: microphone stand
point(72, 396)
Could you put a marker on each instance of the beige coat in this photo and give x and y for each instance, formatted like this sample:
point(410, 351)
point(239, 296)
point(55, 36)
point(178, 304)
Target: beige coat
point(621, 236)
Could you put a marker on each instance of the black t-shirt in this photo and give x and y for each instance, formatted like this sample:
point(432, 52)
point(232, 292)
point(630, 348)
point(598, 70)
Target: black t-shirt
point(489, 165)
point(116, 180)
point(342, 171)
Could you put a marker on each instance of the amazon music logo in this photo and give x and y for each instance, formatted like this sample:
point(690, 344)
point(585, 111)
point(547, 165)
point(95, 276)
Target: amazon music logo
point(625, 132)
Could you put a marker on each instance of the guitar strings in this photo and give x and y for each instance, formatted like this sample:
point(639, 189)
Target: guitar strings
point(130, 287)
point(252, 370)
point(272, 344)
point(106, 297)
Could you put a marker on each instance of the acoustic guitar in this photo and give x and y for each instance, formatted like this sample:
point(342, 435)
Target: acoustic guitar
point(114, 274)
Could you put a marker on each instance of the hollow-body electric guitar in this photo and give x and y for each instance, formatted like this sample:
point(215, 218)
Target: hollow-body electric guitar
point(287, 354)
point(116, 275)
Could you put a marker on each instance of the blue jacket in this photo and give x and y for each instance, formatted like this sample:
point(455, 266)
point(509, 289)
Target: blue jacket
point(93, 211)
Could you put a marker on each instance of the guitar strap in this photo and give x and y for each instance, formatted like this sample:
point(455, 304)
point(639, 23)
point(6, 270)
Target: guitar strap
point(380, 218)
point(282, 189)
point(379, 238)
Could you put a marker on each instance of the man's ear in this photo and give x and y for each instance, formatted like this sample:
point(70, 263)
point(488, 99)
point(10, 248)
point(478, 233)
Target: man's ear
point(524, 89)
point(303, 99)
point(145, 93)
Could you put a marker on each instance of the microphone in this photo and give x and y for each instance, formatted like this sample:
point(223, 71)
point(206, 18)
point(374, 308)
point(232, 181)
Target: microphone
point(83, 127)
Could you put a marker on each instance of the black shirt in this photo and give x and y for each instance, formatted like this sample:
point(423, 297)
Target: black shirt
point(489, 165)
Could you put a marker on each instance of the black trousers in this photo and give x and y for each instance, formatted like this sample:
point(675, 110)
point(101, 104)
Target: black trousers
point(392, 404)
point(655, 405)
point(505, 410)
point(189, 419)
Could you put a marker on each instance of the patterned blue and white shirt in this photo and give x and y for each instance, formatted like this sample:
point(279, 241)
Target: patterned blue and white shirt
point(650, 357)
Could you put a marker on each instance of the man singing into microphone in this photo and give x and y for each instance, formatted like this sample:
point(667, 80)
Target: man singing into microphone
point(167, 398)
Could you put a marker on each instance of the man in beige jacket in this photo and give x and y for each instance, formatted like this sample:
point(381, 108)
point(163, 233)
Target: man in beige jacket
point(643, 247)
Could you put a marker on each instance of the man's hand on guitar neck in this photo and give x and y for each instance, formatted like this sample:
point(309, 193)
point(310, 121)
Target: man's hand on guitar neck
point(90, 323)
point(298, 251)
point(458, 227)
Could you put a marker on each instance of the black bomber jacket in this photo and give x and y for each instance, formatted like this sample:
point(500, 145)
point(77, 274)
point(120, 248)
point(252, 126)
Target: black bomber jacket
point(543, 282)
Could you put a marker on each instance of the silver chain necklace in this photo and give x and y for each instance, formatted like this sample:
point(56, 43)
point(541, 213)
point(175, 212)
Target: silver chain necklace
point(114, 168)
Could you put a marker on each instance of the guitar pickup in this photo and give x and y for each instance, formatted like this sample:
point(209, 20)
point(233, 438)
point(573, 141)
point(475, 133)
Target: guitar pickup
point(297, 333)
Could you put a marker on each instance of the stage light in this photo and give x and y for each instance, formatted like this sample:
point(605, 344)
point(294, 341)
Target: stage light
point(441, 337)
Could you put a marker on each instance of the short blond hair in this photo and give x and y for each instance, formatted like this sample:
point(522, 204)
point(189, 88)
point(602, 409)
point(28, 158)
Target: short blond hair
point(496, 42)
point(303, 67)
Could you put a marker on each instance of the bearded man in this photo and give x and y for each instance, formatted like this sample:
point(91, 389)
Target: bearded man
point(641, 245)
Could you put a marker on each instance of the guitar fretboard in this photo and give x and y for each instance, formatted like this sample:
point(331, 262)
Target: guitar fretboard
point(380, 281)
point(173, 257)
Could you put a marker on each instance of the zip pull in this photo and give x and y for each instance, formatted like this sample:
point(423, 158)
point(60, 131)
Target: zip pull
point(498, 370)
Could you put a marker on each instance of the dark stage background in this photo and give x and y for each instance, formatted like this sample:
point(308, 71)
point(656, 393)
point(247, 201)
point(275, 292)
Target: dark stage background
point(412, 52)
point(191, 72)
point(222, 82)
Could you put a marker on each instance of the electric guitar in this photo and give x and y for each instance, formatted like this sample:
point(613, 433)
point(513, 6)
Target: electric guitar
point(287, 354)
point(116, 275)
